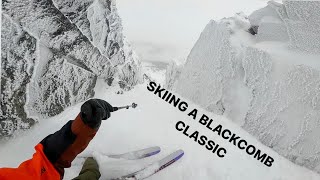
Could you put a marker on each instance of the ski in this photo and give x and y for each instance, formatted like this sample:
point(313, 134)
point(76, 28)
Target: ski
point(154, 167)
point(133, 155)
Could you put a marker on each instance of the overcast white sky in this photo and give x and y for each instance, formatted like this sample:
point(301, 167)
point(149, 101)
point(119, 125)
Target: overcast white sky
point(162, 30)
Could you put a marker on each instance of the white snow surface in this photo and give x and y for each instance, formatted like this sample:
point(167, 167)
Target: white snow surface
point(267, 83)
point(153, 123)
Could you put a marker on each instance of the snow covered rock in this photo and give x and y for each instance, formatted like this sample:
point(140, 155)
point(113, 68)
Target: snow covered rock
point(296, 21)
point(303, 24)
point(269, 24)
point(101, 24)
point(284, 109)
point(17, 60)
point(61, 48)
point(267, 83)
point(210, 74)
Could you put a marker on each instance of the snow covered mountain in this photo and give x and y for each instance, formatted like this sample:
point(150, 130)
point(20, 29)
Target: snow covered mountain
point(53, 52)
point(262, 72)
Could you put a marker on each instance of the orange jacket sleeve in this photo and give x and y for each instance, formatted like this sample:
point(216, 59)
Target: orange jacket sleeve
point(53, 153)
point(37, 168)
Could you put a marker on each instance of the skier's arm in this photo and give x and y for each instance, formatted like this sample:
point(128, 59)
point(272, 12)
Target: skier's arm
point(58, 150)
point(63, 146)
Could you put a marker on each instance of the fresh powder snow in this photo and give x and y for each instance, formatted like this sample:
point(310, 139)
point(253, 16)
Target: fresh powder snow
point(153, 123)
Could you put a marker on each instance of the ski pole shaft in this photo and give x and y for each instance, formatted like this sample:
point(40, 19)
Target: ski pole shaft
point(133, 105)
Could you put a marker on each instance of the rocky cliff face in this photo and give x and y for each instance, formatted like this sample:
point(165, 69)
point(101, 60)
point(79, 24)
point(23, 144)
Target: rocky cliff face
point(99, 21)
point(52, 54)
point(268, 83)
point(17, 62)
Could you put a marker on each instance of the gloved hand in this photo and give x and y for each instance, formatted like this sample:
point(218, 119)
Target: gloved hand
point(95, 110)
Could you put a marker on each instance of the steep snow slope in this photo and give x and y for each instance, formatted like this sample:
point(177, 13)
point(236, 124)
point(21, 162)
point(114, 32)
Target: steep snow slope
point(52, 54)
point(153, 123)
point(267, 83)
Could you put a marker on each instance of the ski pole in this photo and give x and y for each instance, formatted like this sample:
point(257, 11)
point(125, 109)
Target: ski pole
point(133, 105)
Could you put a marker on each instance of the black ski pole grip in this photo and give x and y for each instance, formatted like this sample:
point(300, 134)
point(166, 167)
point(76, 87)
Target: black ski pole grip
point(115, 108)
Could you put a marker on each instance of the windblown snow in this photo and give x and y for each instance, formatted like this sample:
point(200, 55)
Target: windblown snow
point(152, 123)
point(267, 83)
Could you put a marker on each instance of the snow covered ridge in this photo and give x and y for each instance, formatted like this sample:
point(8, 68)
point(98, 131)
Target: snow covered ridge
point(52, 54)
point(268, 83)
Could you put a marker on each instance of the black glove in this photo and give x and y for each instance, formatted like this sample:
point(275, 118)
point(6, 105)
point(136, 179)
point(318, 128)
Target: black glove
point(95, 110)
